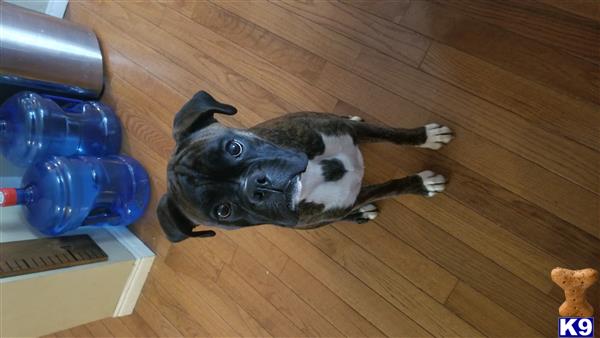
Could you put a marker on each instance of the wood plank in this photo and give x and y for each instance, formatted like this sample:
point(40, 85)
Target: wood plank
point(339, 313)
point(369, 30)
point(402, 258)
point(138, 326)
point(291, 58)
point(171, 86)
point(160, 107)
point(515, 53)
point(325, 43)
point(540, 228)
point(556, 112)
point(537, 226)
point(353, 291)
point(64, 334)
point(500, 286)
point(552, 152)
point(496, 243)
point(153, 316)
point(265, 252)
point(580, 36)
point(585, 8)
point(185, 7)
point(190, 317)
point(264, 312)
point(81, 331)
point(128, 57)
point(116, 327)
point(98, 329)
point(112, 20)
point(392, 10)
point(489, 239)
point(168, 98)
point(477, 309)
point(424, 310)
point(517, 174)
point(208, 270)
point(526, 140)
point(286, 86)
point(140, 118)
point(214, 252)
point(314, 293)
point(281, 297)
point(204, 289)
point(519, 231)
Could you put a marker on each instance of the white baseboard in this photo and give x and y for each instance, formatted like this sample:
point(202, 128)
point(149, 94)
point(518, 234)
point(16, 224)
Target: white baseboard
point(57, 8)
point(143, 262)
point(54, 8)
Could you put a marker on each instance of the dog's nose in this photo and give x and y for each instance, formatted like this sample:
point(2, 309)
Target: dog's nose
point(259, 188)
point(262, 180)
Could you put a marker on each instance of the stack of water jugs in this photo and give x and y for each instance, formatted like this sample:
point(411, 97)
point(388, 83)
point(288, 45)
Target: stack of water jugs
point(75, 175)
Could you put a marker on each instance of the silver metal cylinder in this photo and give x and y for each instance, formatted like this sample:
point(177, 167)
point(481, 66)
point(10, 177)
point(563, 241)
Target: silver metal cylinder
point(41, 52)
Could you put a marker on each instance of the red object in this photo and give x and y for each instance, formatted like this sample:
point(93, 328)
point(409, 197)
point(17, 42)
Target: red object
point(8, 197)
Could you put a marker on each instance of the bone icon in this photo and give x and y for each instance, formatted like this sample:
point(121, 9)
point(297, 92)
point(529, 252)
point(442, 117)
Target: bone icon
point(575, 283)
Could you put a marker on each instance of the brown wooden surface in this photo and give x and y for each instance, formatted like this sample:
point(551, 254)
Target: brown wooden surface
point(518, 82)
point(43, 254)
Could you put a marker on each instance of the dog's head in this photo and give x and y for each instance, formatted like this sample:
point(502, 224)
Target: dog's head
point(225, 177)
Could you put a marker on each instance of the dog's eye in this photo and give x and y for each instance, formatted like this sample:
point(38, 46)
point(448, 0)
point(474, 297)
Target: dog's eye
point(224, 210)
point(234, 148)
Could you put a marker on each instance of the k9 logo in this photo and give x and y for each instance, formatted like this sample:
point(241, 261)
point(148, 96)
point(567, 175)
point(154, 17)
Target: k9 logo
point(575, 327)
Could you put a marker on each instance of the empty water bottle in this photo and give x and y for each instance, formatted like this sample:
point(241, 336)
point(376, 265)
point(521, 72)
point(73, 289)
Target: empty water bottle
point(63, 193)
point(33, 127)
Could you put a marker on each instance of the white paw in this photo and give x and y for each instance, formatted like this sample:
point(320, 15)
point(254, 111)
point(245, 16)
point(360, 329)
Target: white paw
point(437, 136)
point(367, 208)
point(356, 118)
point(432, 182)
point(366, 213)
point(370, 215)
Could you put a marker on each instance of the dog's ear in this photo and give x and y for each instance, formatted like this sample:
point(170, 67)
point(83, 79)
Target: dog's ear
point(175, 224)
point(198, 113)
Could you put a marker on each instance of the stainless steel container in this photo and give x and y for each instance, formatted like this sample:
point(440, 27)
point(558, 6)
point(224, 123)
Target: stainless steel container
point(47, 54)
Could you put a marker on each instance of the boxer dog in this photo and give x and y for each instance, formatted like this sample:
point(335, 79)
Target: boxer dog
point(300, 171)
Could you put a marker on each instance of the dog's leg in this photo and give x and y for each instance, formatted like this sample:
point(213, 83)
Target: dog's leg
point(425, 183)
point(432, 136)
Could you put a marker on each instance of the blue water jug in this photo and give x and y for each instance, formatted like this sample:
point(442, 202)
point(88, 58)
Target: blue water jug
point(33, 127)
point(63, 193)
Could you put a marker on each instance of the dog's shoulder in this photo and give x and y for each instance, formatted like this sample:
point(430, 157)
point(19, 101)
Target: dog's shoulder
point(302, 131)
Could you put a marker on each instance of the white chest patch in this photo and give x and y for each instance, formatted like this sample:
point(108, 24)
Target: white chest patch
point(341, 193)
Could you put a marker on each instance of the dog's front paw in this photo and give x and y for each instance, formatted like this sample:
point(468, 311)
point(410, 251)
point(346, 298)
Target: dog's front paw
point(364, 214)
point(437, 136)
point(432, 183)
point(355, 118)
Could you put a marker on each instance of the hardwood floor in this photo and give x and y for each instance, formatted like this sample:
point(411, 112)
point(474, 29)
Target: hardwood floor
point(517, 81)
